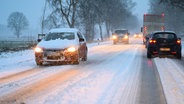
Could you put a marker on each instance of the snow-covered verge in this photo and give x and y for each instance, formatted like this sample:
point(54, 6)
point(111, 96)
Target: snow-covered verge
point(21, 60)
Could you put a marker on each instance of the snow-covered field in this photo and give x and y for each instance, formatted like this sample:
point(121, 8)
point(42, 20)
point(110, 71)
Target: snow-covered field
point(110, 76)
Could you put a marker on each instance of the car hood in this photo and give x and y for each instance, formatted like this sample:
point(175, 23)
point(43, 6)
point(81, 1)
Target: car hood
point(57, 44)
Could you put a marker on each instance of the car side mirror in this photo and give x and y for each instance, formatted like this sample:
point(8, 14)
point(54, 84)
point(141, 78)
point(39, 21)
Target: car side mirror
point(147, 38)
point(40, 37)
point(38, 40)
point(81, 40)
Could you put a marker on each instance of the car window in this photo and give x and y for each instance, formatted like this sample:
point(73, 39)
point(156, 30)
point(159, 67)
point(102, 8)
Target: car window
point(165, 35)
point(80, 36)
point(121, 31)
point(62, 36)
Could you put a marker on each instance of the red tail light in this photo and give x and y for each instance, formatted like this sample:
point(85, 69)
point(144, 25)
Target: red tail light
point(152, 41)
point(178, 41)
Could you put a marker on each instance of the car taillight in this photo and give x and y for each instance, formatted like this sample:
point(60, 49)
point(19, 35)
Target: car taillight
point(178, 41)
point(152, 41)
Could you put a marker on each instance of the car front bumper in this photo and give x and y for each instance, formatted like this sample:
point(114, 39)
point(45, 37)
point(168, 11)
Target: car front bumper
point(59, 56)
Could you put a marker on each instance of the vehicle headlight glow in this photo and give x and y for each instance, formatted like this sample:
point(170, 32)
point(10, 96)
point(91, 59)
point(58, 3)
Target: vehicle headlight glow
point(114, 37)
point(38, 50)
point(71, 49)
point(135, 35)
point(139, 35)
point(126, 37)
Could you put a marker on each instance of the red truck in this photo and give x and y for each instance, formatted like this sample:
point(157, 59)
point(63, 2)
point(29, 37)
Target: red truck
point(151, 23)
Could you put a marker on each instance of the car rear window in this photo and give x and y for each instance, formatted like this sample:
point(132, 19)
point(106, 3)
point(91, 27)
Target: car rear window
point(165, 35)
point(62, 36)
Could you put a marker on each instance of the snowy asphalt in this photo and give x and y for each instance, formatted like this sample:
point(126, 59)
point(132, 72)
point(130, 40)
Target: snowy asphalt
point(113, 74)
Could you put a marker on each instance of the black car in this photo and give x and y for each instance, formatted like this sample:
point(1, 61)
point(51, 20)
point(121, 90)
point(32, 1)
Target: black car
point(164, 43)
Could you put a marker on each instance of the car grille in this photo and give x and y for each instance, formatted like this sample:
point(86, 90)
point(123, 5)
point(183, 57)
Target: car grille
point(53, 54)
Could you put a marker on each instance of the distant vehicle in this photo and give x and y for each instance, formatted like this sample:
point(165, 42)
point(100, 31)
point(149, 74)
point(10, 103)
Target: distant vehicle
point(61, 45)
point(120, 36)
point(151, 23)
point(164, 43)
point(137, 35)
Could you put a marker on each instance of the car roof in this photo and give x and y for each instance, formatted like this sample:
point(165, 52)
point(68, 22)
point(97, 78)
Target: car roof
point(63, 30)
point(120, 29)
point(164, 32)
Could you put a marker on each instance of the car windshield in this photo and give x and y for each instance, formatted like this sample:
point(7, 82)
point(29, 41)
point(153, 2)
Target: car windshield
point(121, 32)
point(165, 35)
point(62, 36)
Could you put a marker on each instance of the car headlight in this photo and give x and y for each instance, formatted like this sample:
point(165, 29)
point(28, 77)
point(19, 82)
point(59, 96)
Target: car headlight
point(126, 36)
point(114, 37)
point(38, 50)
point(71, 49)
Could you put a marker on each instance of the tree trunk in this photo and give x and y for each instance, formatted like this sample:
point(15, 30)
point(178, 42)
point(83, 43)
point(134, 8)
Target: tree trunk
point(101, 35)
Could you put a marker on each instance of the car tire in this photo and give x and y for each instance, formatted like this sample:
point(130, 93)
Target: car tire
point(148, 54)
point(40, 63)
point(178, 55)
point(114, 42)
point(77, 60)
point(84, 58)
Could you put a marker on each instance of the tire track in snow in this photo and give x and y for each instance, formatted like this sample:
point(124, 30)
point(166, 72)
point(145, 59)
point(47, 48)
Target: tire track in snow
point(119, 90)
point(25, 92)
point(70, 91)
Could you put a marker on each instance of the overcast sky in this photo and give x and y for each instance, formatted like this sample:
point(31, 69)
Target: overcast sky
point(141, 8)
point(32, 9)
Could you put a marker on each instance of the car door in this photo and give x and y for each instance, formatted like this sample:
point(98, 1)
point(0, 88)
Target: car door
point(82, 47)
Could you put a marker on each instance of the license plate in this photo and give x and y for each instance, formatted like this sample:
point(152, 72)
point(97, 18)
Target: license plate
point(53, 54)
point(164, 49)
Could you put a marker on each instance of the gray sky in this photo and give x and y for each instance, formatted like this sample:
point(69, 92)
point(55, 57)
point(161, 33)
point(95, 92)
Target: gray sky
point(32, 9)
point(141, 8)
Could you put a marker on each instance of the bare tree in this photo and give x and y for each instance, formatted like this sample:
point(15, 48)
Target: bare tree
point(173, 15)
point(112, 13)
point(67, 9)
point(176, 3)
point(52, 21)
point(17, 22)
point(88, 13)
point(43, 18)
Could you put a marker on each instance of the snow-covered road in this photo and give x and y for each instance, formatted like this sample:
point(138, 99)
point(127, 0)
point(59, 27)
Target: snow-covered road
point(113, 74)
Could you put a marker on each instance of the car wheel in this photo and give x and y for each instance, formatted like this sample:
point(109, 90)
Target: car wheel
point(77, 60)
point(38, 62)
point(148, 54)
point(84, 58)
point(114, 42)
point(178, 55)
